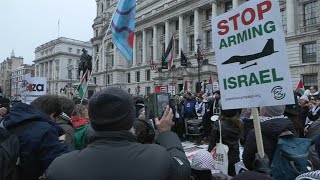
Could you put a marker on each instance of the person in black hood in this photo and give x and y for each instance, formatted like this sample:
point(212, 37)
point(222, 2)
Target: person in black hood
point(115, 152)
point(273, 123)
point(231, 129)
point(39, 138)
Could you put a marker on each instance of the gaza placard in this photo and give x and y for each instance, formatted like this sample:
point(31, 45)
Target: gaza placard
point(251, 56)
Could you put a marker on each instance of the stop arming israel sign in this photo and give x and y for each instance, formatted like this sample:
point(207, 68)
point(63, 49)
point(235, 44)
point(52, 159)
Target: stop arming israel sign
point(251, 56)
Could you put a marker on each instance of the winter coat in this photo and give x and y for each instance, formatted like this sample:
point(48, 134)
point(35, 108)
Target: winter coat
point(230, 137)
point(313, 133)
point(117, 155)
point(189, 108)
point(39, 143)
point(65, 123)
point(271, 129)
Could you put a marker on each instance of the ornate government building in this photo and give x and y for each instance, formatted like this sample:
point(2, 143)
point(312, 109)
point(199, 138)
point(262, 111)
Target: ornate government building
point(187, 20)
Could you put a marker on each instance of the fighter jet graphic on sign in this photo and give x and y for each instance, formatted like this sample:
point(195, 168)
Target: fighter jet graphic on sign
point(267, 51)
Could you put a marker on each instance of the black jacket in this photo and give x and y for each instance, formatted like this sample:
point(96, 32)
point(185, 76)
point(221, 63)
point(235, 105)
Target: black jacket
point(230, 137)
point(39, 144)
point(271, 129)
point(117, 155)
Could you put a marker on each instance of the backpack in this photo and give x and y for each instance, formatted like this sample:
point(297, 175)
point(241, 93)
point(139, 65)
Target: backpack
point(79, 133)
point(10, 151)
point(9, 155)
point(291, 157)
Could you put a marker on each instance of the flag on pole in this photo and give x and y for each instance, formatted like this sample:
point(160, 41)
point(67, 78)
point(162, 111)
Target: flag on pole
point(186, 86)
point(123, 25)
point(83, 85)
point(211, 80)
point(300, 87)
point(184, 59)
point(167, 59)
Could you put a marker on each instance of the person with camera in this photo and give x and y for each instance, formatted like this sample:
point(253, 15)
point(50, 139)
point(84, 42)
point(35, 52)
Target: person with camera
point(115, 153)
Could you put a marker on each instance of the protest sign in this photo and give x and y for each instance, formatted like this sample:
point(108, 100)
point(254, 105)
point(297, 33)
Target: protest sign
point(32, 87)
point(172, 90)
point(251, 56)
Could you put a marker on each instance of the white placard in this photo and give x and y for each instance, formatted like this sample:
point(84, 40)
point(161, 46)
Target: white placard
point(32, 87)
point(252, 56)
point(172, 90)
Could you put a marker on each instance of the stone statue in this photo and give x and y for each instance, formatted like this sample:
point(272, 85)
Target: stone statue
point(85, 62)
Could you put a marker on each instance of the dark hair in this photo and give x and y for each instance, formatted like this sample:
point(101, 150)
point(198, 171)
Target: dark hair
point(67, 105)
point(48, 104)
point(235, 121)
point(315, 87)
point(143, 132)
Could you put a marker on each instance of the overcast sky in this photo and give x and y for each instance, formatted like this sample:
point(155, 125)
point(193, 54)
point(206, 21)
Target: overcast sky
point(26, 24)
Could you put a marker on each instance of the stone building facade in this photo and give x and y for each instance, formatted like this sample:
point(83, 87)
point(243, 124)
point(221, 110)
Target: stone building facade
point(17, 77)
point(58, 61)
point(187, 20)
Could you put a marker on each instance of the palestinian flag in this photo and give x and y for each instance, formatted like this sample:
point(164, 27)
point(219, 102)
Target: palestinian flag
point(167, 58)
point(300, 87)
point(83, 85)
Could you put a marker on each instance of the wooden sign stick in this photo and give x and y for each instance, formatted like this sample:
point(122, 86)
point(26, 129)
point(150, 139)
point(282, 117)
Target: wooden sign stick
point(257, 131)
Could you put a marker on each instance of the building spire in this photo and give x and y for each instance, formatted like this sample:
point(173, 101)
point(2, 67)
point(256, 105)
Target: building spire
point(12, 53)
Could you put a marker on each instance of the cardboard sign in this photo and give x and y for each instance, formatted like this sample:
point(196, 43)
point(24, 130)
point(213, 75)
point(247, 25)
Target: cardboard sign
point(33, 87)
point(252, 56)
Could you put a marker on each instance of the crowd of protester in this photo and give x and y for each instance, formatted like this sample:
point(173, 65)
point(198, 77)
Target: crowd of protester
point(110, 137)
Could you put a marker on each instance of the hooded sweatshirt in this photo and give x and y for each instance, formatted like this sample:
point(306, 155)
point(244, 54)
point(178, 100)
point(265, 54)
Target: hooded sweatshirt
point(39, 143)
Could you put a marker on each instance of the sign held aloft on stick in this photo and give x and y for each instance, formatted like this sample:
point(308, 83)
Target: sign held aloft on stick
point(252, 57)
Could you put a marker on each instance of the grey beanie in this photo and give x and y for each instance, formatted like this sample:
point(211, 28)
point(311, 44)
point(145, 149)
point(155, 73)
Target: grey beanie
point(111, 109)
point(273, 111)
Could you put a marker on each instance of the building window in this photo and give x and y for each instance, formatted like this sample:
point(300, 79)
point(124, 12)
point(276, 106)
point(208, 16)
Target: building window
point(97, 32)
point(164, 30)
point(148, 75)
point(177, 25)
point(108, 79)
point(309, 53)
point(228, 6)
point(128, 78)
point(208, 14)
point(95, 80)
point(310, 13)
point(112, 61)
point(102, 8)
point(191, 43)
point(209, 38)
point(70, 50)
point(191, 20)
point(69, 74)
point(151, 52)
point(78, 51)
point(284, 19)
point(176, 46)
point(138, 76)
point(69, 62)
point(310, 80)
point(147, 90)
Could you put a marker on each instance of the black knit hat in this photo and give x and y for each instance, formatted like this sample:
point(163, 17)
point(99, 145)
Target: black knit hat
point(230, 112)
point(111, 109)
point(4, 102)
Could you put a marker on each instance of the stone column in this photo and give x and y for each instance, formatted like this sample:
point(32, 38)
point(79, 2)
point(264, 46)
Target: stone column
point(196, 27)
point(103, 58)
point(235, 4)
point(181, 37)
point(134, 59)
point(291, 26)
point(144, 46)
point(115, 56)
point(167, 36)
point(214, 10)
point(155, 43)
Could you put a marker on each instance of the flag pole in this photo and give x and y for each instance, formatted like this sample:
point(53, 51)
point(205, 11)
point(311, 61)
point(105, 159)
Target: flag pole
point(99, 52)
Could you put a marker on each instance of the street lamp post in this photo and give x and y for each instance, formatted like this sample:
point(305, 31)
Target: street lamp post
point(199, 61)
